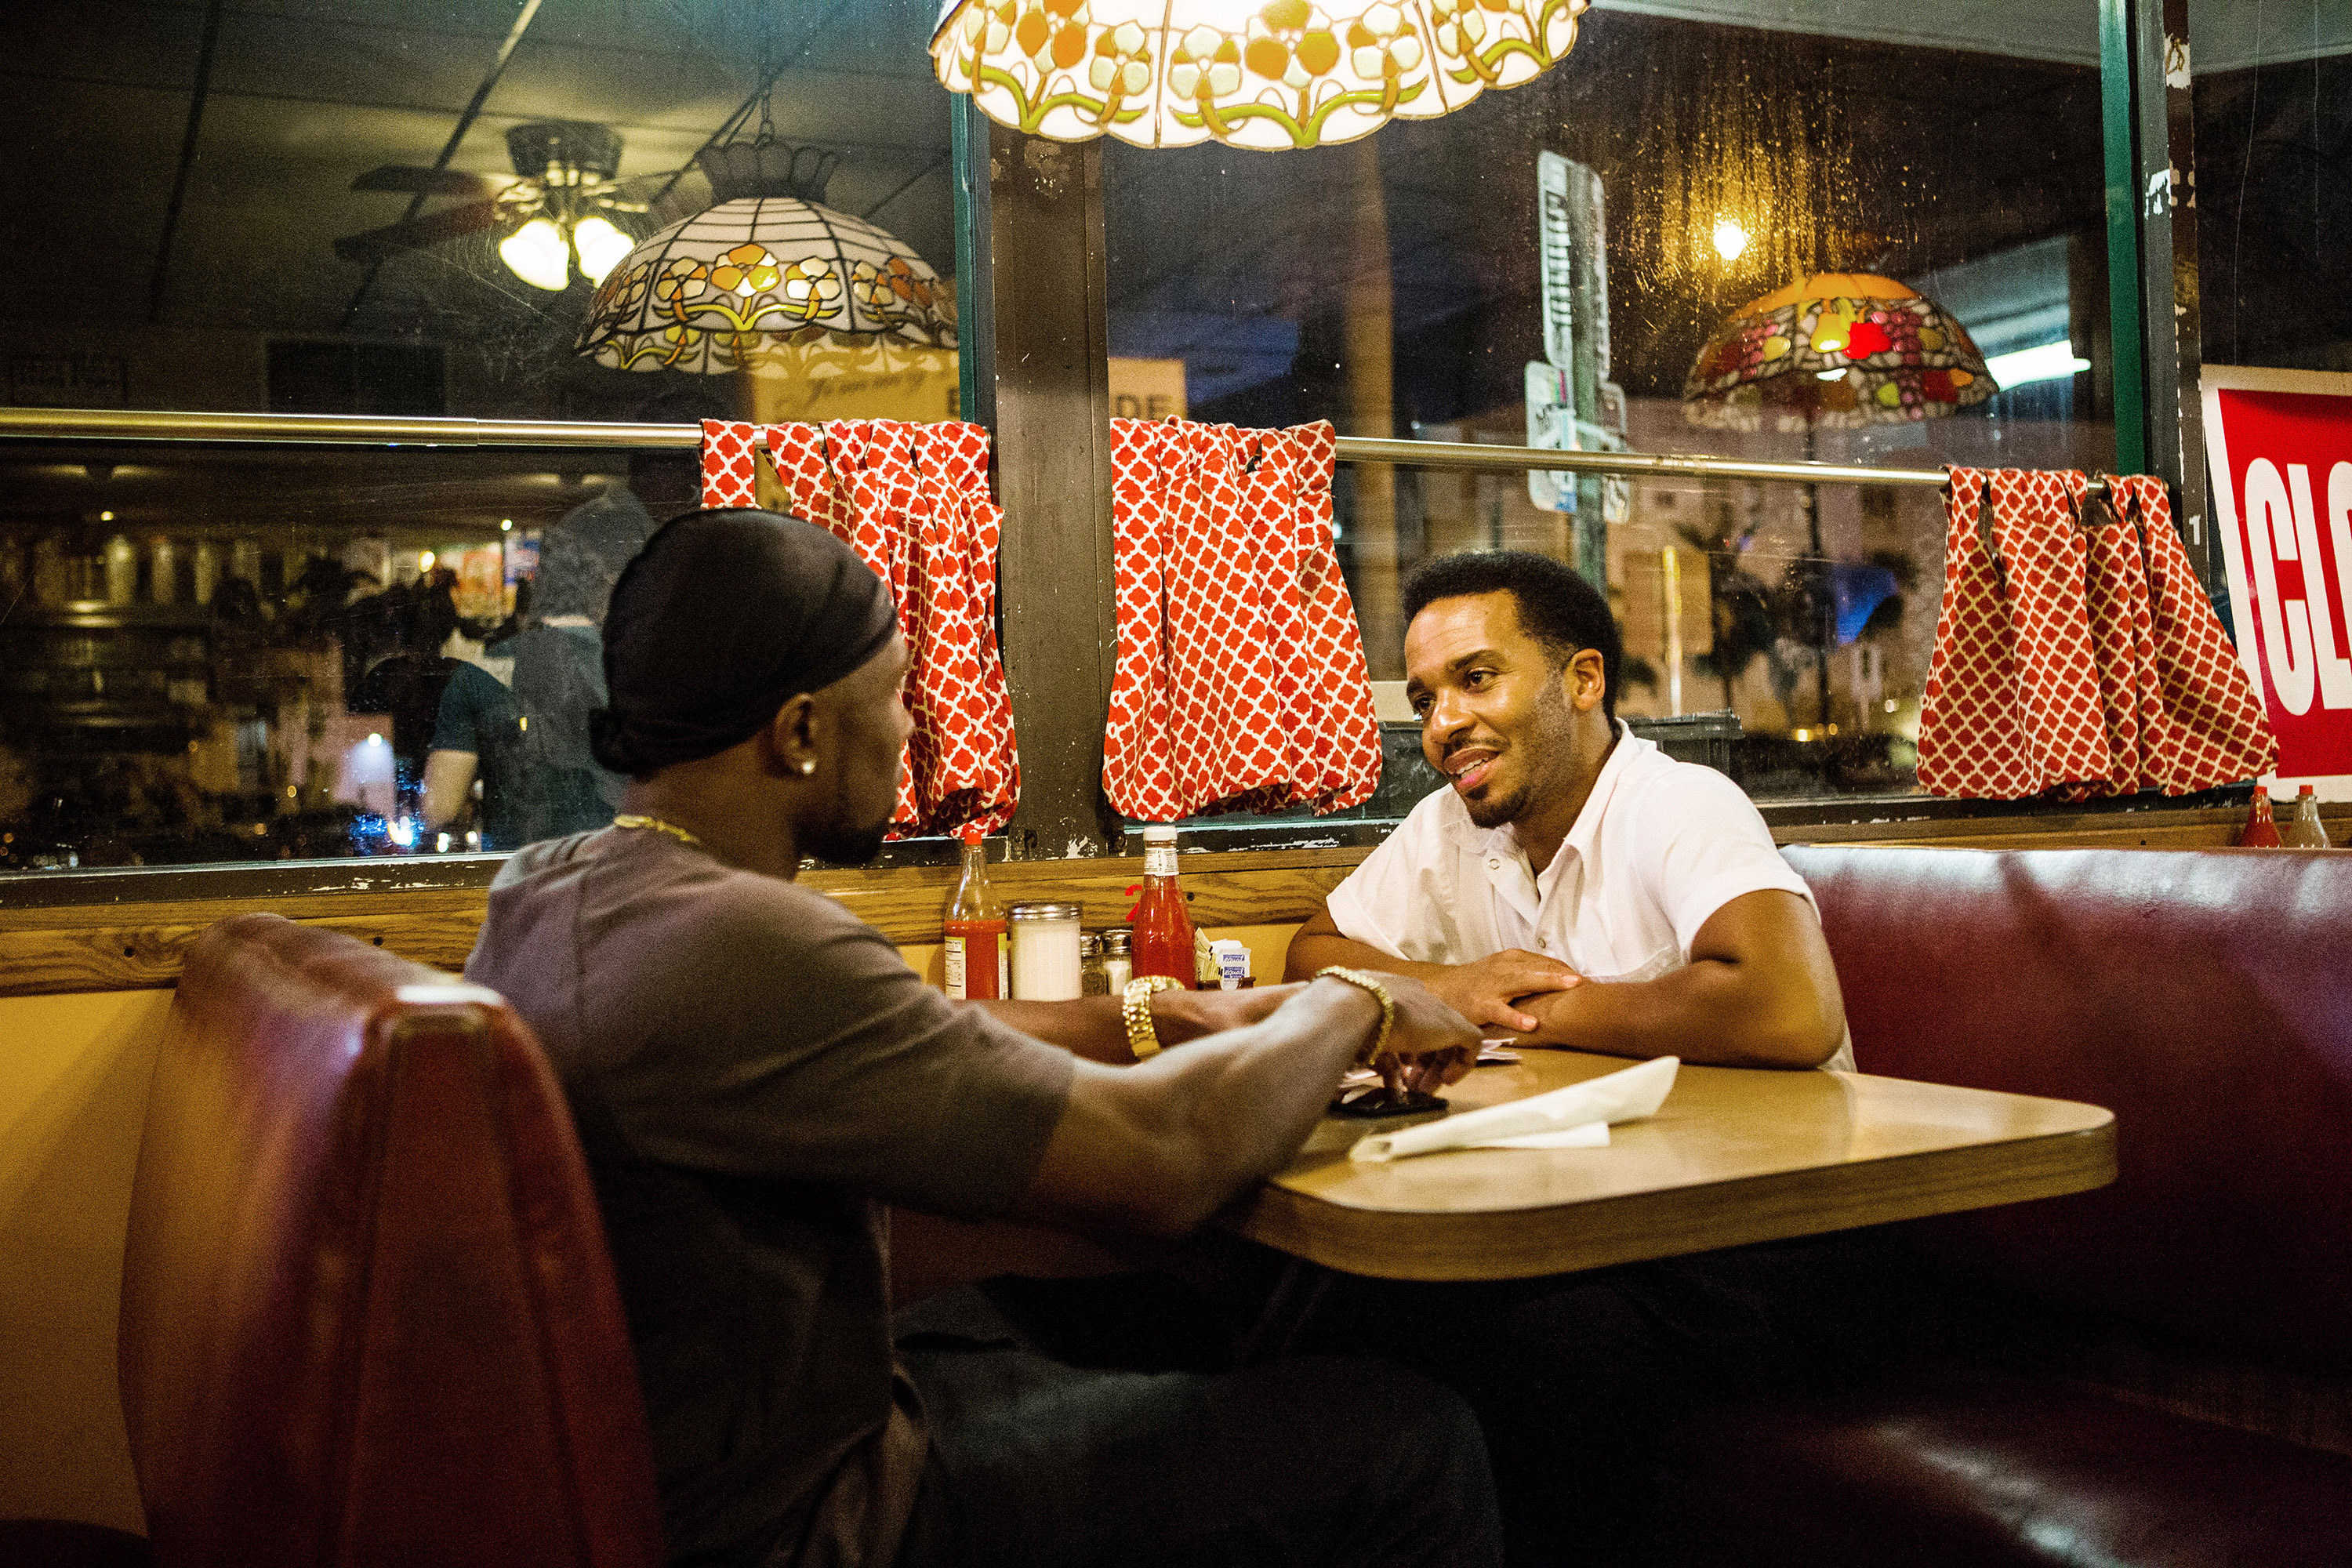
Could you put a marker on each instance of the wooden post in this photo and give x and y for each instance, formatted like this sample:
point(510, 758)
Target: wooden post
point(1367, 354)
point(1051, 388)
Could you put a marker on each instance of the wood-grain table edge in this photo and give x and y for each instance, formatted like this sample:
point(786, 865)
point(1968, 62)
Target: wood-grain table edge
point(1519, 1243)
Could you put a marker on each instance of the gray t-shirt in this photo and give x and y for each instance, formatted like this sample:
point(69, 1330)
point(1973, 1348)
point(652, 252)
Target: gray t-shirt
point(753, 1072)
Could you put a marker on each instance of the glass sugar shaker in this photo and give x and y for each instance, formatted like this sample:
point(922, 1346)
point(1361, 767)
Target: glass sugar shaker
point(1045, 967)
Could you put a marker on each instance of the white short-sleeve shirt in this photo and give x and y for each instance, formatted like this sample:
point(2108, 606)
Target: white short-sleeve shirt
point(1660, 846)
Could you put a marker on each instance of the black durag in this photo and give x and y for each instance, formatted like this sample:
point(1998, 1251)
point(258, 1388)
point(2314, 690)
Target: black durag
point(721, 618)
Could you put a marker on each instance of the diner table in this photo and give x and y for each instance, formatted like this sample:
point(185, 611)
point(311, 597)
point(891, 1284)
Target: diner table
point(1735, 1155)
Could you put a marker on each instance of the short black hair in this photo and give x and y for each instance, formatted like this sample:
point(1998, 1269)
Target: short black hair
point(1561, 610)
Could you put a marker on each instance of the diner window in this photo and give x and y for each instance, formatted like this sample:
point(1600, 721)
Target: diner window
point(2273, 89)
point(1610, 256)
point(212, 652)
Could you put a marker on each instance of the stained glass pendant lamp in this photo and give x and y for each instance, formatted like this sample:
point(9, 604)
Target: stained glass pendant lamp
point(1267, 74)
point(1835, 351)
point(764, 277)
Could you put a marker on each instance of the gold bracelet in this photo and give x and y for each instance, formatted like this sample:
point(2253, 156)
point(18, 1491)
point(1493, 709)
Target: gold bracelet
point(1371, 982)
point(1135, 1012)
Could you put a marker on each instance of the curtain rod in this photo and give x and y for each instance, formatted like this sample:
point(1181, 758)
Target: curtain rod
point(1676, 465)
point(341, 430)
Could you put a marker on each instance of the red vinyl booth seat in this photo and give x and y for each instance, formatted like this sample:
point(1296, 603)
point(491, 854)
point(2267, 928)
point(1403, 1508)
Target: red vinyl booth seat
point(2205, 998)
point(368, 1316)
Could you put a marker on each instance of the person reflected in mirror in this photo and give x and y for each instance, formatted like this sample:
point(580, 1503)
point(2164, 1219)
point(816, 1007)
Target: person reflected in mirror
point(755, 1072)
point(1573, 885)
point(526, 740)
point(397, 637)
point(515, 720)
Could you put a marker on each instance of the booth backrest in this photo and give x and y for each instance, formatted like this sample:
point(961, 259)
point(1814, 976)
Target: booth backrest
point(2205, 996)
point(368, 1316)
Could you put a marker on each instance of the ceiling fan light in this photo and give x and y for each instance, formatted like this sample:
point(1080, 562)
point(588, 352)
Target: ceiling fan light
point(601, 247)
point(537, 254)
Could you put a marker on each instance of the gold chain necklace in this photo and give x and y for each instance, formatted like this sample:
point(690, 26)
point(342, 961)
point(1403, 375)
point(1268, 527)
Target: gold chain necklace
point(655, 824)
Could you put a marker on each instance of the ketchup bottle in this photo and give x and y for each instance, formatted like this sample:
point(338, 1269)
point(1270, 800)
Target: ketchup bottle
point(975, 928)
point(1163, 928)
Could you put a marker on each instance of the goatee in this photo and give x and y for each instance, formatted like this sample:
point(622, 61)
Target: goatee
point(840, 845)
point(1496, 810)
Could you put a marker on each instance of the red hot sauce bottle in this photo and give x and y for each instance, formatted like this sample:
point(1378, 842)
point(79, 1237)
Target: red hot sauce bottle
point(1163, 927)
point(975, 928)
point(2260, 831)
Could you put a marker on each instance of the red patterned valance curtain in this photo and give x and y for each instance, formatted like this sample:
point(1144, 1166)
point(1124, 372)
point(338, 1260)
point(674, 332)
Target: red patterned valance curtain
point(2204, 724)
point(1240, 681)
point(2076, 653)
point(913, 502)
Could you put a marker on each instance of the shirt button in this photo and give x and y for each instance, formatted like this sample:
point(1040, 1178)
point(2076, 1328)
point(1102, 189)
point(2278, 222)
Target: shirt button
point(1494, 865)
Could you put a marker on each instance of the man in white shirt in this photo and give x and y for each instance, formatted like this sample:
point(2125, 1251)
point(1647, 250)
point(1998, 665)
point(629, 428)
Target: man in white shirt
point(1574, 885)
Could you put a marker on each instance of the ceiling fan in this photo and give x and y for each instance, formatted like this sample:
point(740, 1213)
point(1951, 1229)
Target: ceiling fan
point(557, 206)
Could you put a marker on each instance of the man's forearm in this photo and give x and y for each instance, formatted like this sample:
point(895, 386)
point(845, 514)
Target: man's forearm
point(1091, 1026)
point(1706, 1012)
point(448, 776)
point(1240, 1106)
point(1163, 1145)
point(1311, 951)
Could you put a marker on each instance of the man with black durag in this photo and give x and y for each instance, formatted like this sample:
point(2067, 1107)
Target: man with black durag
point(755, 1072)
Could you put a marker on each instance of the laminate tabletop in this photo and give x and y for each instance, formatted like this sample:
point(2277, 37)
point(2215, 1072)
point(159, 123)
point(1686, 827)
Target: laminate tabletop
point(1735, 1155)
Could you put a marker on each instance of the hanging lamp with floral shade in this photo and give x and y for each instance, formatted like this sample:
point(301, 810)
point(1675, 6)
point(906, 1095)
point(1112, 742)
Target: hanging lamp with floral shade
point(766, 278)
point(1264, 74)
point(1835, 351)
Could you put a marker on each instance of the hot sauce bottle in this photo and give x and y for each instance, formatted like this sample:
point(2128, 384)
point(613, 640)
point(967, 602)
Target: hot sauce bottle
point(2260, 831)
point(1163, 928)
point(2303, 830)
point(977, 955)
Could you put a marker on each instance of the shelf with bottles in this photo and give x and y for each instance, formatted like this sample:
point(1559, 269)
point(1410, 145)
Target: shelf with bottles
point(90, 664)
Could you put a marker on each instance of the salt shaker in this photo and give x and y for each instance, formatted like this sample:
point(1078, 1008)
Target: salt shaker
point(1118, 958)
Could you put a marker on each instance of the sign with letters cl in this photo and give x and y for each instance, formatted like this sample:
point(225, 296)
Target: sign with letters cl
point(2279, 446)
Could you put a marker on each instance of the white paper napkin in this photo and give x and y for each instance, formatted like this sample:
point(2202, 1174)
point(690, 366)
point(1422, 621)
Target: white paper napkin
point(1592, 1135)
point(1626, 1096)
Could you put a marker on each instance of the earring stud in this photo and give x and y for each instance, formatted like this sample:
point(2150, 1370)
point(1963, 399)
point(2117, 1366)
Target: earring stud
point(808, 767)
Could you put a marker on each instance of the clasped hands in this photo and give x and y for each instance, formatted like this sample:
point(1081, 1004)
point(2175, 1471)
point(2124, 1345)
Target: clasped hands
point(1489, 991)
point(1430, 1043)
point(1435, 1041)
point(1483, 993)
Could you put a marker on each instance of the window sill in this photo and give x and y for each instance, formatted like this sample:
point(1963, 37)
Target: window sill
point(1848, 818)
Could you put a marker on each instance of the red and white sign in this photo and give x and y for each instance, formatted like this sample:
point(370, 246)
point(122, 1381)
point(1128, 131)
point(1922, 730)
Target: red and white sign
point(2279, 446)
